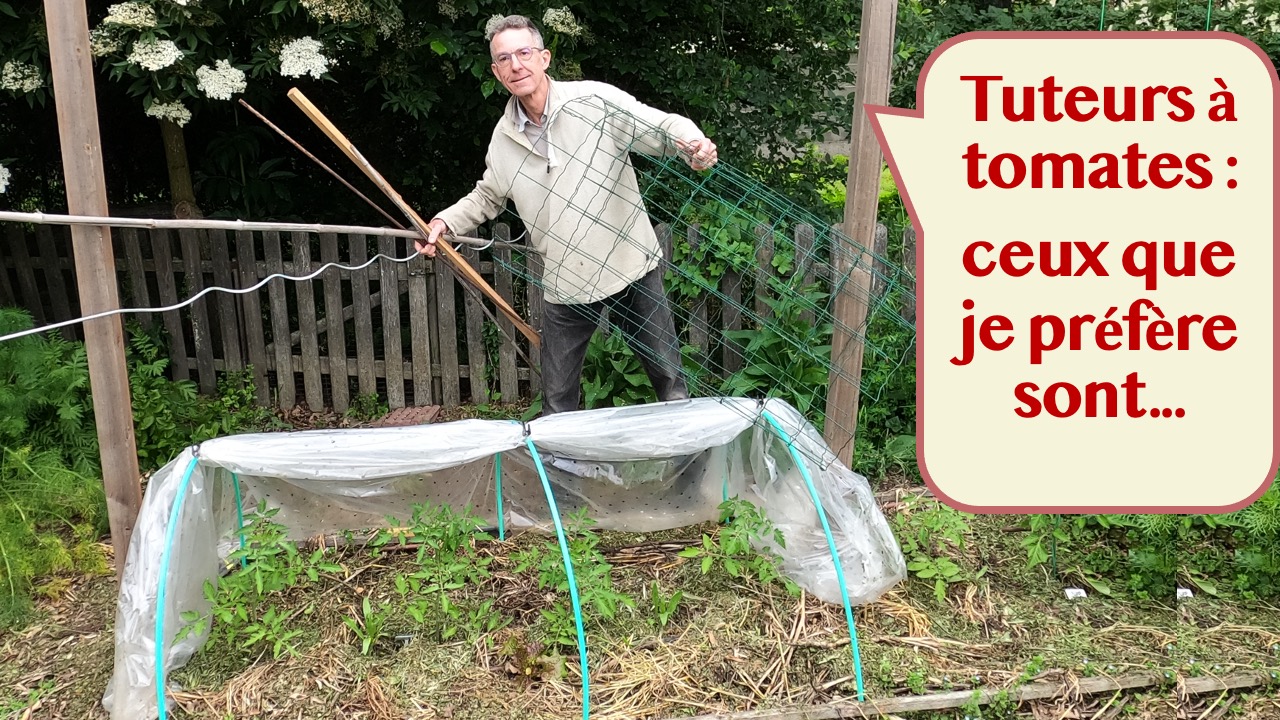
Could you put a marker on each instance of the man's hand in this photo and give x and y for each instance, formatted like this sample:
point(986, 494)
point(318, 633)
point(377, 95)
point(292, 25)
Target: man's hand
point(435, 229)
point(700, 154)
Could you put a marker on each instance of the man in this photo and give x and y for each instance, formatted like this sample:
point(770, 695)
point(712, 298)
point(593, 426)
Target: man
point(561, 153)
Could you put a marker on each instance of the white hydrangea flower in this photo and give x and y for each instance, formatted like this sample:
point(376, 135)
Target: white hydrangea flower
point(174, 111)
point(336, 10)
point(493, 23)
point(220, 81)
point(449, 10)
point(155, 54)
point(1273, 22)
point(131, 14)
point(20, 77)
point(562, 21)
point(4, 179)
point(104, 41)
point(389, 23)
point(1166, 22)
point(302, 57)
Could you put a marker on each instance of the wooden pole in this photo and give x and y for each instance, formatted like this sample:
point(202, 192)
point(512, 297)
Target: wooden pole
point(460, 265)
point(890, 707)
point(67, 23)
point(875, 50)
point(40, 218)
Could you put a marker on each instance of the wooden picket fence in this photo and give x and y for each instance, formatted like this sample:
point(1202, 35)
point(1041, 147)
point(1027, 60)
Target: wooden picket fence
point(323, 341)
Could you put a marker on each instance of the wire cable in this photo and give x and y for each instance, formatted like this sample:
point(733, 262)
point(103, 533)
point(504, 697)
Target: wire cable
point(202, 293)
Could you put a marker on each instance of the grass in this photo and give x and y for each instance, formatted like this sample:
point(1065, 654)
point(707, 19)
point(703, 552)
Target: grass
point(731, 645)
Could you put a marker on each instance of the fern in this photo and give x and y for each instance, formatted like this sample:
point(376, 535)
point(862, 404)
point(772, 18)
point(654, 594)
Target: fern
point(44, 394)
point(1262, 519)
point(52, 508)
point(50, 517)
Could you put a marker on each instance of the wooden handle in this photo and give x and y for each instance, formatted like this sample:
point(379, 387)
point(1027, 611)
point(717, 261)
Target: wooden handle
point(460, 265)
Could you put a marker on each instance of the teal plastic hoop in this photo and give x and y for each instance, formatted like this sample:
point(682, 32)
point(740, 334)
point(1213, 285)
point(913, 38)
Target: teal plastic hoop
point(239, 516)
point(497, 481)
point(573, 583)
point(831, 545)
point(164, 577)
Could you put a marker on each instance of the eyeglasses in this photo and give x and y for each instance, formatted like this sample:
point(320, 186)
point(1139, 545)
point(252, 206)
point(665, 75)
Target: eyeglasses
point(525, 54)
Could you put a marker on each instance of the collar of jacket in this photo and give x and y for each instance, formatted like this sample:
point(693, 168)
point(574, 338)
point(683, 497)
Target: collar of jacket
point(511, 122)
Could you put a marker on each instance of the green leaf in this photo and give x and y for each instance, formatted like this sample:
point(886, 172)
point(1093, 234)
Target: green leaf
point(1099, 585)
point(1206, 586)
point(439, 47)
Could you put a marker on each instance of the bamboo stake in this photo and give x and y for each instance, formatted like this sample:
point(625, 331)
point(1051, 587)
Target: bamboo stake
point(461, 266)
point(884, 707)
point(39, 218)
point(317, 161)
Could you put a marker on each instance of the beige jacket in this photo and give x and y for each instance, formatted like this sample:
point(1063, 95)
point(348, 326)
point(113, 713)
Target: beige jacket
point(580, 202)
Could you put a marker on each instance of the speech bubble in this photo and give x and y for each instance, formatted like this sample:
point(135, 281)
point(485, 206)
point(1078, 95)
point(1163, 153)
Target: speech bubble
point(1095, 270)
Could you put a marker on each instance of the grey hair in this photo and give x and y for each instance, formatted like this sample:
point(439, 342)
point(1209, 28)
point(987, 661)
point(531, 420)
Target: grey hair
point(499, 24)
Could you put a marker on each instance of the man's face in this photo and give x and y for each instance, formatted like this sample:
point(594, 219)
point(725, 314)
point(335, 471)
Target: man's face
point(519, 75)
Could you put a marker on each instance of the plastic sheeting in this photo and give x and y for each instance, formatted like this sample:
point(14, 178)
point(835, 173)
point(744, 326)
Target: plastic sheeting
point(638, 469)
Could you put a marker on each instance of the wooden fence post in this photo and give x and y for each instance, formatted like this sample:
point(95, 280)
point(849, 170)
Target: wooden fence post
point(533, 269)
point(508, 379)
point(286, 390)
point(313, 388)
point(26, 277)
point(363, 309)
point(55, 284)
point(446, 304)
point(251, 311)
point(335, 321)
point(67, 26)
point(194, 277)
point(392, 343)
point(874, 52)
point(699, 329)
point(419, 328)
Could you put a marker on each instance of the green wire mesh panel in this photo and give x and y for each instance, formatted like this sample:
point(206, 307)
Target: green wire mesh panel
point(752, 278)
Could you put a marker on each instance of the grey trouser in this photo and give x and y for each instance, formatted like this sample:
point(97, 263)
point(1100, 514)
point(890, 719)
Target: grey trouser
point(641, 311)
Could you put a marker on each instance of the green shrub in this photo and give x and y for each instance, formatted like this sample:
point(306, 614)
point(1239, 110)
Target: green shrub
point(1231, 555)
point(170, 415)
point(52, 508)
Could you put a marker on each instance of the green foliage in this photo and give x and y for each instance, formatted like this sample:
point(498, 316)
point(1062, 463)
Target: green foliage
point(664, 606)
point(244, 611)
point(52, 508)
point(933, 538)
point(599, 600)
point(1233, 555)
point(448, 561)
point(171, 415)
point(366, 407)
point(726, 242)
point(788, 357)
point(44, 394)
point(250, 35)
point(744, 546)
point(23, 39)
point(612, 374)
point(923, 25)
point(50, 519)
point(371, 626)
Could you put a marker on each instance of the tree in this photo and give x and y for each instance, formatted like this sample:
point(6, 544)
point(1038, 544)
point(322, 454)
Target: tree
point(410, 82)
